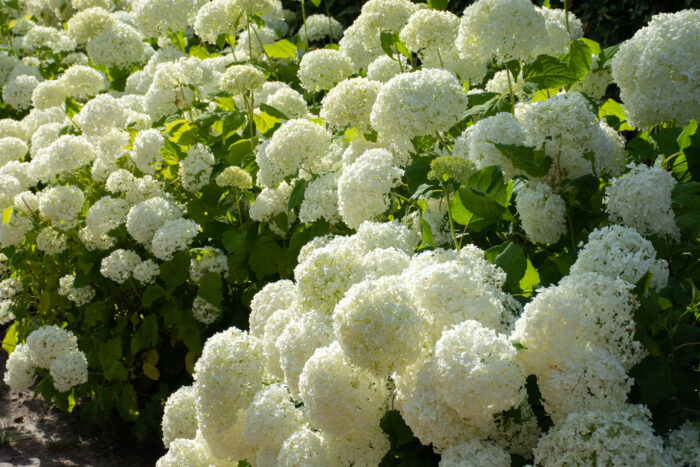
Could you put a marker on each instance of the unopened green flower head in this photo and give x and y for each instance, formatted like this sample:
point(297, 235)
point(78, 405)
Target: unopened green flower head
point(236, 177)
point(455, 167)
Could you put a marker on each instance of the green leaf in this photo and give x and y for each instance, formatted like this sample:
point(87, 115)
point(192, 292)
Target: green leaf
point(7, 215)
point(151, 294)
point(265, 122)
point(425, 230)
point(146, 335)
point(486, 104)
point(511, 258)
point(684, 139)
point(654, 378)
point(438, 4)
point(11, 338)
point(233, 241)
point(281, 49)
point(267, 257)
point(547, 72)
point(210, 288)
point(606, 55)
point(393, 425)
point(614, 115)
point(490, 180)
point(297, 195)
point(151, 371)
point(402, 49)
point(237, 151)
point(530, 279)
point(460, 214)
point(317, 3)
point(273, 111)
point(128, 403)
point(579, 59)
point(478, 202)
point(593, 45)
point(387, 39)
point(110, 352)
point(176, 271)
point(533, 161)
point(116, 371)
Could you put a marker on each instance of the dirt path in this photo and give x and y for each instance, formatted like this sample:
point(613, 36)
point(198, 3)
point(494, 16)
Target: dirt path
point(33, 434)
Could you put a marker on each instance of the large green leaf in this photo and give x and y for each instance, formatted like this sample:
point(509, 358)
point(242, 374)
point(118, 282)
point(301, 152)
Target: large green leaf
point(533, 161)
point(281, 49)
point(210, 288)
point(579, 58)
point(547, 72)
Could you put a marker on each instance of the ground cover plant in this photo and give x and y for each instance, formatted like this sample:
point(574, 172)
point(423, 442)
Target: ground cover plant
point(417, 236)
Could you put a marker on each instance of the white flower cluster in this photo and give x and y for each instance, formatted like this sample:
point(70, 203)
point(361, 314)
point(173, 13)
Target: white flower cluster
point(542, 213)
point(51, 348)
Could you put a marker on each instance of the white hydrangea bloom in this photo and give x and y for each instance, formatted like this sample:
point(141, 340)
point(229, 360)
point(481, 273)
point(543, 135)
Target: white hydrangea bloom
point(378, 326)
point(189, 452)
point(542, 212)
point(419, 103)
point(49, 94)
point(557, 42)
point(383, 68)
point(569, 320)
point(146, 150)
point(350, 103)
point(364, 186)
point(269, 203)
point(61, 205)
point(78, 295)
point(174, 235)
point(63, 156)
point(360, 448)
point(12, 233)
point(682, 447)
point(321, 199)
point(94, 241)
point(100, 114)
point(203, 311)
point(289, 102)
point(321, 69)
point(146, 272)
point(215, 18)
point(235, 177)
point(304, 448)
point(298, 342)
point(298, 142)
point(566, 128)
point(271, 418)
point(51, 241)
point(319, 27)
point(83, 82)
point(12, 149)
point(373, 235)
point(657, 70)
point(617, 251)
point(340, 397)
point(47, 36)
point(14, 128)
point(517, 431)
point(88, 23)
point(6, 314)
point(146, 217)
point(478, 373)
point(17, 92)
point(209, 259)
point(503, 29)
point(227, 376)
point(272, 297)
point(48, 343)
point(19, 369)
point(120, 45)
point(195, 169)
point(180, 415)
point(238, 79)
point(254, 43)
point(470, 68)
point(602, 437)
point(119, 265)
point(9, 188)
point(9, 288)
point(429, 28)
point(274, 327)
point(598, 381)
point(69, 369)
point(641, 199)
point(474, 453)
point(156, 18)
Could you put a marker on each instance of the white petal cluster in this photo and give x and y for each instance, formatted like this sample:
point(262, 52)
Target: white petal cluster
point(323, 68)
point(78, 295)
point(119, 265)
point(155, 18)
point(317, 27)
point(119, 45)
point(69, 369)
point(196, 168)
point(364, 186)
point(174, 235)
point(83, 82)
point(350, 103)
point(146, 150)
point(641, 199)
point(682, 447)
point(429, 28)
point(609, 437)
point(180, 415)
point(203, 311)
point(51, 241)
point(419, 103)
point(61, 205)
point(657, 70)
point(241, 78)
point(542, 213)
point(383, 68)
point(617, 251)
point(19, 369)
point(146, 272)
point(474, 452)
point(321, 199)
point(145, 218)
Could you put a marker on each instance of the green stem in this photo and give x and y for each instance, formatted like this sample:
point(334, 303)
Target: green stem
point(510, 93)
point(566, 18)
point(303, 16)
point(449, 216)
point(440, 57)
point(250, 39)
point(571, 231)
point(330, 24)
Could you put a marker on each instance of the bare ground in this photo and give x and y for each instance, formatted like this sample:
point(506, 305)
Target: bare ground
point(34, 434)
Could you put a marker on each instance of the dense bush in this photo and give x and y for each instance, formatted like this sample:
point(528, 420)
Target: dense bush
point(452, 245)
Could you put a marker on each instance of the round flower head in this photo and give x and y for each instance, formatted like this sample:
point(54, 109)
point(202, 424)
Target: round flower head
point(204, 312)
point(657, 70)
point(19, 369)
point(274, 327)
point(12, 149)
point(269, 203)
point(83, 82)
point(503, 29)
point(146, 272)
point(146, 150)
point(474, 452)
point(271, 418)
point(48, 343)
point(88, 23)
point(156, 18)
point(273, 297)
point(623, 436)
point(100, 114)
point(682, 447)
point(61, 205)
point(119, 265)
point(321, 199)
point(321, 69)
point(419, 103)
point(617, 251)
point(319, 27)
point(51, 241)
point(78, 295)
point(145, 218)
point(241, 78)
point(340, 397)
point(378, 326)
point(180, 415)
point(364, 186)
point(542, 213)
point(195, 169)
point(304, 448)
point(17, 93)
point(383, 68)
point(174, 235)
point(289, 102)
point(120, 45)
point(558, 37)
point(429, 28)
point(367, 447)
point(477, 371)
point(296, 143)
point(68, 370)
point(641, 199)
point(215, 18)
point(350, 103)
point(236, 177)
point(227, 376)
point(582, 313)
point(49, 94)
point(191, 452)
